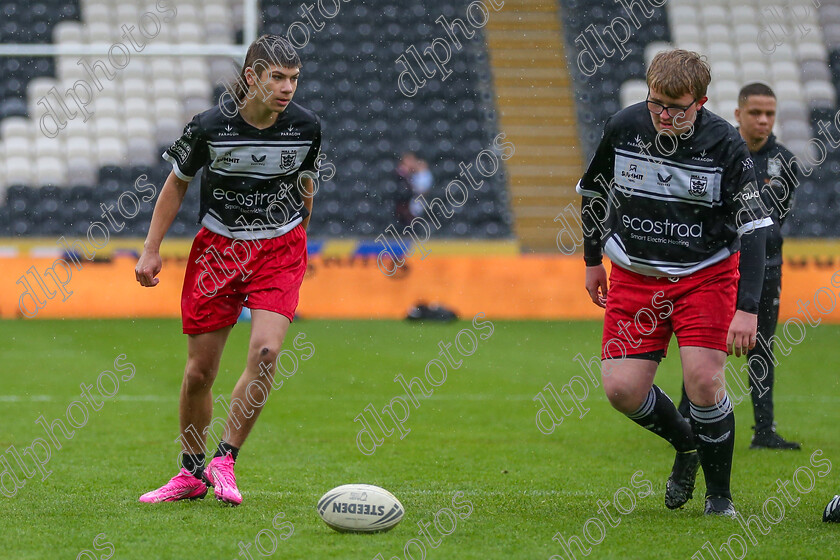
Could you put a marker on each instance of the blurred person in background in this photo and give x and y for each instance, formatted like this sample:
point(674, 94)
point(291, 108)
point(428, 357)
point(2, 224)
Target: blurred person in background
point(415, 179)
point(775, 171)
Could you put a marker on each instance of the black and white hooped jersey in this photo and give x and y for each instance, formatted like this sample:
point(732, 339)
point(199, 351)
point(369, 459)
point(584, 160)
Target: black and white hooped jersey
point(672, 208)
point(249, 185)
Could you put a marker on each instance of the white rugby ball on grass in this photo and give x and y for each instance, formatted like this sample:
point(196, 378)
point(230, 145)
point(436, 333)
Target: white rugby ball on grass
point(360, 508)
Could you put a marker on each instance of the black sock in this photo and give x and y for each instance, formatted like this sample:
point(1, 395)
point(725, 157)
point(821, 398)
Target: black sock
point(714, 433)
point(225, 448)
point(193, 463)
point(659, 415)
point(685, 405)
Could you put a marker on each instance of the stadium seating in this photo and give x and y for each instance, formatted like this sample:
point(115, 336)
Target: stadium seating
point(800, 60)
point(143, 107)
point(599, 95)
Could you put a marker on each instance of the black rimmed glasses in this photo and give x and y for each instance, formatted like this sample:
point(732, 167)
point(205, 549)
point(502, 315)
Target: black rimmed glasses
point(672, 110)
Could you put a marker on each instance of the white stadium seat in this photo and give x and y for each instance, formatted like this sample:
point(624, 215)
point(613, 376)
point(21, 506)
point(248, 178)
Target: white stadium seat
point(18, 146)
point(790, 109)
point(82, 170)
point(195, 68)
point(138, 126)
point(632, 91)
point(48, 147)
point(725, 70)
point(829, 13)
point(107, 126)
point(744, 13)
point(193, 87)
point(712, 14)
point(681, 14)
point(687, 32)
point(165, 87)
point(717, 34)
point(168, 130)
point(100, 32)
point(820, 94)
point(143, 151)
point(745, 31)
point(78, 147)
point(217, 13)
point(50, 171)
point(195, 105)
point(755, 72)
point(189, 32)
point(127, 13)
point(111, 151)
point(725, 91)
point(19, 170)
point(789, 89)
point(650, 52)
point(69, 32)
point(719, 52)
point(69, 70)
point(167, 108)
point(136, 87)
point(136, 105)
point(784, 70)
point(811, 51)
point(138, 68)
point(164, 67)
point(36, 91)
point(16, 127)
point(97, 13)
point(749, 52)
point(107, 106)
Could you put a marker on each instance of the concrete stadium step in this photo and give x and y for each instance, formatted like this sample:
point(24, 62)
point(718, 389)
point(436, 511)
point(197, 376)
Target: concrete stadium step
point(536, 109)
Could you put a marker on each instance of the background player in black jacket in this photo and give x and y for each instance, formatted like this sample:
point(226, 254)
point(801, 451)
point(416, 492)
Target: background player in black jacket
point(775, 171)
point(670, 197)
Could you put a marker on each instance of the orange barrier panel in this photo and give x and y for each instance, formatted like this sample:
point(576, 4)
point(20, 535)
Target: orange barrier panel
point(517, 287)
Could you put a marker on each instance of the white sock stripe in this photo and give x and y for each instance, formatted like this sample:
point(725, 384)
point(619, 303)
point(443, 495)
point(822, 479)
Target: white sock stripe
point(832, 504)
point(710, 414)
point(646, 408)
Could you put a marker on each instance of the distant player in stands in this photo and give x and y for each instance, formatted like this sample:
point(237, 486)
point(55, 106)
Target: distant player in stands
point(258, 151)
point(776, 173)
point(670, 197)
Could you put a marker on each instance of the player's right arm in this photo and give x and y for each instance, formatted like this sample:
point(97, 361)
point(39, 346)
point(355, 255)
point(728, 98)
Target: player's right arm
point(188, 154)
point(166, 208)
point(593, 212)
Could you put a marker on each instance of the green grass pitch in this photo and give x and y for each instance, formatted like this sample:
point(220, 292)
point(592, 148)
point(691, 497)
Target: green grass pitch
point(476, 435)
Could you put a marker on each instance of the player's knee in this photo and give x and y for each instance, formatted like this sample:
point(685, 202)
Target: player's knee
point(198, 376)
point(621, 396)
point(265, 353)
point(704, 391)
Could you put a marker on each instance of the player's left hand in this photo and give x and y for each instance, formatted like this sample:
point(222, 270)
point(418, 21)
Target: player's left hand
point(741, 336)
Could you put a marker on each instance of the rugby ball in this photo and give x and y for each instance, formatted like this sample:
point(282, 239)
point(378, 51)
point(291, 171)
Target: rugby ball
point(360, 508)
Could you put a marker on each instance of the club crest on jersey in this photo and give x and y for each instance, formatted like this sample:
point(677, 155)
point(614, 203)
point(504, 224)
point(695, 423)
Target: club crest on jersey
point(287, 159)
point(697, 185)
point(774, 167)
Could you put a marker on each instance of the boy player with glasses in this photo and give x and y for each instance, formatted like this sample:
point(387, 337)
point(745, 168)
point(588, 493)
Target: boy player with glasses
point(670, 198)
